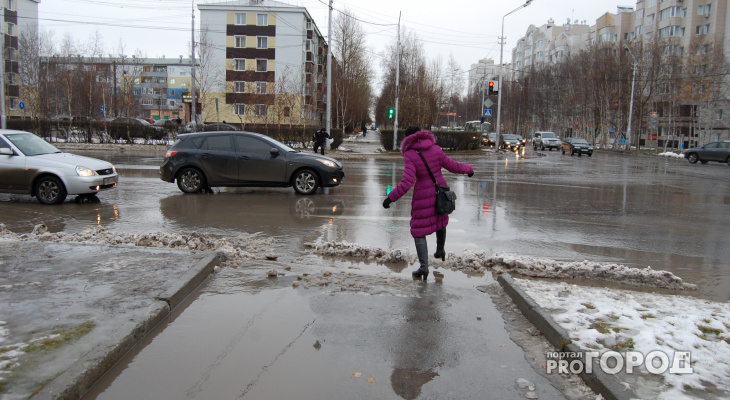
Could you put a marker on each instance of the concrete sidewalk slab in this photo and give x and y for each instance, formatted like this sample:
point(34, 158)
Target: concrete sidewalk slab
point(70, 312)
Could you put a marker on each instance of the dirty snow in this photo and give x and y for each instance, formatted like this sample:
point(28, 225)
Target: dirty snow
point(479, 262)
point(653, 322)
point(236, 249)
point(671, 154)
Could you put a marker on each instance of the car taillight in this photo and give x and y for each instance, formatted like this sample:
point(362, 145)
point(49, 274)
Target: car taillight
point(170, 153)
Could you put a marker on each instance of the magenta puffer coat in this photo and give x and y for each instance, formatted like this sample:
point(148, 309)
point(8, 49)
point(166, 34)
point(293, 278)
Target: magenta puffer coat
point(424, 220)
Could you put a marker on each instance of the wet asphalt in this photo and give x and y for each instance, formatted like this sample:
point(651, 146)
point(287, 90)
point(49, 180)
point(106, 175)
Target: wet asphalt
point(246, 335)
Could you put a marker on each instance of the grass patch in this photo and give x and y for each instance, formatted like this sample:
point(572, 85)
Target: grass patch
point(61, 336)
point(625, 345)
point(708, 330)
point(601, 327)
point(588, 306)
point(647, 316)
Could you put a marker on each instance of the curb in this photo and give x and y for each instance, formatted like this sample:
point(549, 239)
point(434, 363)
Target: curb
point(87, 370)
point(601, 382)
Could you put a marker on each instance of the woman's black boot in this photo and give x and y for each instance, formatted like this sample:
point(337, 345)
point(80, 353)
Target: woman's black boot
point(422, 252)
point(440, 241)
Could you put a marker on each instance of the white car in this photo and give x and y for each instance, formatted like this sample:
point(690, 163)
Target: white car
point(30, 165)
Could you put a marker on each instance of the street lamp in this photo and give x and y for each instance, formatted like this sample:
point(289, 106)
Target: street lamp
point(499, 94)
point(631, 105)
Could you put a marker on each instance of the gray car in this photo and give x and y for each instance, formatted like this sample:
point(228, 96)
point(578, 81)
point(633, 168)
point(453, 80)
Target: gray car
point(201, 160)
point(714, 151)
point(30, 165)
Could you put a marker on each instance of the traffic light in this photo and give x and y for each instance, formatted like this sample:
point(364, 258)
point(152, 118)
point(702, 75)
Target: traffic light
point(493, 90)
point(391, 113)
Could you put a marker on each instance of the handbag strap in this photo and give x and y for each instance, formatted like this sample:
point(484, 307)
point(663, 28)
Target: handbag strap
point(428, 168)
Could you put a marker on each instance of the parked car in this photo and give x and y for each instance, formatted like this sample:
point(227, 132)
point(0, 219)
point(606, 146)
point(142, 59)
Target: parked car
point(30, 165)
point(576, 145)
point(714, 151)
point(219, 127)
point(489, 139)
point(149, 120)
point(510, 142)
point(200, 160)
point(545, 140)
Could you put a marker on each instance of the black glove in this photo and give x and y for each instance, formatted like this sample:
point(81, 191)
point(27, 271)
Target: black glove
point(470, 175)
point(386, 203)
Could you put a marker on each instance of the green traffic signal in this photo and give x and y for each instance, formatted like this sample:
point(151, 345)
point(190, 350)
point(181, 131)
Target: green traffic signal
point(391, 113)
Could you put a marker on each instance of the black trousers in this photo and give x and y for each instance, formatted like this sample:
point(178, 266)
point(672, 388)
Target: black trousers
point(319, 144)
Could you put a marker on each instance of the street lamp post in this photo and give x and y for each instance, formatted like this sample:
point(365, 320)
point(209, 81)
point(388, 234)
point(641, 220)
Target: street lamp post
point(631, 104)
point(501, 64)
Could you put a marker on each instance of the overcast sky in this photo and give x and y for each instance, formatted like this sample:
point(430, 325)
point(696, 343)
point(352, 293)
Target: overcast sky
point(466, 29)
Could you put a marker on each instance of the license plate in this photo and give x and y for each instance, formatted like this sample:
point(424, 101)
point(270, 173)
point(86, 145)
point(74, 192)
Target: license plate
point(109, 181)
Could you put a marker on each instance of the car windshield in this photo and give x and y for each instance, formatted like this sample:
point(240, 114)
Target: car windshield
point(30, 144)
point(511, 137)
point(548, 135)
point(579, 141)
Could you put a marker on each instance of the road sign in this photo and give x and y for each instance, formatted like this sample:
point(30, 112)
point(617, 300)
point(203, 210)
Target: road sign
point(488, 103)
point(488, 112)
point(102, 109)
point(21, 105)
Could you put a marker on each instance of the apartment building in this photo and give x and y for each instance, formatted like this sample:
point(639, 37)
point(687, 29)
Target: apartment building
point(266, 63)
point(19, 17)
point(163, 88)
point(484, 70)
point(681, 111)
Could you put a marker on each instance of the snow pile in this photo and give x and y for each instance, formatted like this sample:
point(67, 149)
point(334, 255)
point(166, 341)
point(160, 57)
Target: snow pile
point(602, 319)
point(479, 261)
point(345, 249)
point(671, 154)
point(236, 250)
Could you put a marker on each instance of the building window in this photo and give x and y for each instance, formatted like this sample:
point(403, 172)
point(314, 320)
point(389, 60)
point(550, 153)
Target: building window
point(309, 25)
point(260, 110)
point(308, 45)
point(240, 19)
point(703, 29)
point(671, 31)
point(262, 19)
point(146, 102)
point(239, 64)
point(704, 10)
point(261, 65)
point(672, 12)
point(10, 29)
point(239, 109)
point(287, 112)
point(240, 42)
point(12, 103)
point(262, 42)
point(171, 93)
point(239, 87)
point(719, 114)
point(11, 54)
point(11, 5)
point(171, 103)
point(650, 19)
point(135, 92)
point(260, 87)
point(650, 3)
point(172, 81)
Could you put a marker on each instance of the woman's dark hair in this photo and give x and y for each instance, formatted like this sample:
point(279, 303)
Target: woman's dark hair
point(412, 129)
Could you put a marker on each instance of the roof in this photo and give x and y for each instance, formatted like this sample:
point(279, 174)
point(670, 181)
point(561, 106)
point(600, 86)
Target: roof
point(249, 3)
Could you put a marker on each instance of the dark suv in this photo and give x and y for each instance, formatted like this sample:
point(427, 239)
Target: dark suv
point(715, 151)
point(207, 159)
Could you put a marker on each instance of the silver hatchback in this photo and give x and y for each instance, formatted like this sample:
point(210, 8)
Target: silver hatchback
point(30, 165)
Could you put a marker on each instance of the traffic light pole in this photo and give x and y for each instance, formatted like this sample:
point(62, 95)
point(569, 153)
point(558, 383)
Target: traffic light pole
point(397, 84)
point(501, 65)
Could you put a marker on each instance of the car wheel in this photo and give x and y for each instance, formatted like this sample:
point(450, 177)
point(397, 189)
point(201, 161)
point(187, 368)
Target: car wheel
point(190, 180)
point(542, 147)
point(590, 154)
point(50, 190)
point(692, 158)
point(305, 182)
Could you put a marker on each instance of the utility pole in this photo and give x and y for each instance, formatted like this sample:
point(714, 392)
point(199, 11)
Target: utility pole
point(3, 116)
point(193, 119)
point(397, 88)
point(328, 125)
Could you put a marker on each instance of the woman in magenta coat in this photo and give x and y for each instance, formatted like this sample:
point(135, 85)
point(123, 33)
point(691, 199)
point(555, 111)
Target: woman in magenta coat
point(424, 220)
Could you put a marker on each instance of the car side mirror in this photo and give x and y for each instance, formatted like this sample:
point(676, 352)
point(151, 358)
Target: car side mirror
point(274, 152)
point(6, 151)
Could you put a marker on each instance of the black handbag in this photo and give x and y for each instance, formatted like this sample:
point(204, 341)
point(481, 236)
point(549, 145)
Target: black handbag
point(445, 198)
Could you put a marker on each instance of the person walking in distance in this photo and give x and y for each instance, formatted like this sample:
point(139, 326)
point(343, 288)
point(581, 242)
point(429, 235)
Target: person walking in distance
point(320, 139)
point(424, 220)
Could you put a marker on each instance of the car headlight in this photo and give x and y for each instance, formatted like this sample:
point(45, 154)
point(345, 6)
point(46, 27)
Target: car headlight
point(327, 163)
point(83, 171)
